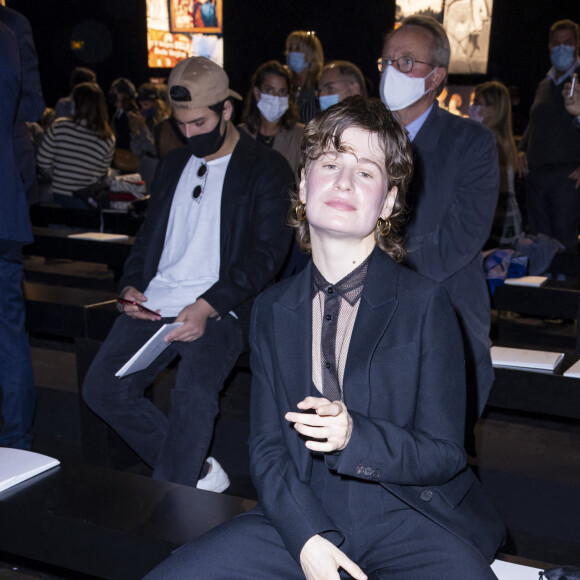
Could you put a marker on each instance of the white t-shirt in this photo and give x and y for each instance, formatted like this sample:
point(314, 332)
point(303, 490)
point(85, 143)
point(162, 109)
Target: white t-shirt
point(190, 261)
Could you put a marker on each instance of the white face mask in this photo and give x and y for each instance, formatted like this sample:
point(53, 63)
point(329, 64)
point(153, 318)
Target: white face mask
point(272, 107)
point(399, 90)
point(475, 113)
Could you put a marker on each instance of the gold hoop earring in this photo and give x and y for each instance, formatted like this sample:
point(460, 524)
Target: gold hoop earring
point(300, 211)
point(384, 227)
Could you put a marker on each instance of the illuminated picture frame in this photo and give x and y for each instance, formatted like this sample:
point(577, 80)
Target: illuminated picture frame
point(196, 16)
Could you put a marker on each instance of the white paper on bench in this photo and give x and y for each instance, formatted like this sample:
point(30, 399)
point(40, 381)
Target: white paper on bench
point(573, 371)
point(508, 571)
point(535, 281)
point(502, 356)
point(17, 465)
point(148, 352)
point(99, 237)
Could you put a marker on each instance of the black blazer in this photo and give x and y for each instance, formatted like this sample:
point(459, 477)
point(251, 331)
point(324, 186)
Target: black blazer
point(404, 386)
point(253, 232)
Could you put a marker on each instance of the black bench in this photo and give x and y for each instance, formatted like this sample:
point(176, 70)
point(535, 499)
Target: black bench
point(106, 523)
point(55, 243)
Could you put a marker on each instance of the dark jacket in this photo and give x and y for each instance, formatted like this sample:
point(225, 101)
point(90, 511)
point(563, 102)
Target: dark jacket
point(404, 386)
point(254, 236)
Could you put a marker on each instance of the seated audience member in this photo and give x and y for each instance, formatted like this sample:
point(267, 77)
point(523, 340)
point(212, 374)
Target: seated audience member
point(358, 392)
point(122, 96)
point(339, 79)
point(491, 106)
point(305, 59)
point(549, 150)
point(65, 107)
point(77, 151)
point(213, 239)
point(270, 112)
point(143, 126)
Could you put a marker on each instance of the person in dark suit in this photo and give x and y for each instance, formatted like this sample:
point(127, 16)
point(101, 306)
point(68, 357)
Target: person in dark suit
point(214, 237)
point(31, 104)
point(18, 397)
point(453, 195)
point(358, 394)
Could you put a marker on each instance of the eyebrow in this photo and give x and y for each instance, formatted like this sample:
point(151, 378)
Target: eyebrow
point(202, 118)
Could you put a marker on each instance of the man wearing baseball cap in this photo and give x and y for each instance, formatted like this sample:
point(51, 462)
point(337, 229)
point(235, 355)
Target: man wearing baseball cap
point(215, 235)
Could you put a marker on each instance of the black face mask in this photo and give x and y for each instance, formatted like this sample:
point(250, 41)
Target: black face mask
point(208, 143)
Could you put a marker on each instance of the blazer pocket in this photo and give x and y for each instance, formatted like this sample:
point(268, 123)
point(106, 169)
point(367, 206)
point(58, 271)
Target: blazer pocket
point(406, 353)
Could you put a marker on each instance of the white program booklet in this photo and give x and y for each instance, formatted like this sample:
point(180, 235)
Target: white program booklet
point(535, 281)
point(148, 352)
point(502, 356)
point(573, 371)
point(17, 465)
point(99, 237)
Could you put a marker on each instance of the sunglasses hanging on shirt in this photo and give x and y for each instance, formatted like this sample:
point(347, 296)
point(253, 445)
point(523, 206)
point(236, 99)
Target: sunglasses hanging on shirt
point(198, 189)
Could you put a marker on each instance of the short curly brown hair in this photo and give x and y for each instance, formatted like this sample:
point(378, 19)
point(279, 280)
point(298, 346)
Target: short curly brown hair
point(324, 133)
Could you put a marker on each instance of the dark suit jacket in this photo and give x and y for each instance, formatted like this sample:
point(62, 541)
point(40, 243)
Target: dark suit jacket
point(254, 236)
point(14, 221)
point(404, 388)
point(452, 200)
point(31, 103)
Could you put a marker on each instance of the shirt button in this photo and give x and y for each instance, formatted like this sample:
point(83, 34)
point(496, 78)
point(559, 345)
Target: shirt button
point(330, 289)
point(328, 317)
point(327, 365)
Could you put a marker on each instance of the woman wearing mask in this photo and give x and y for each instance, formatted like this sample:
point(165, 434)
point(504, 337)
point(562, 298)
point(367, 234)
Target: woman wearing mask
point(270, 111)
point(491, 106)
point(305, 59)
point(143, 126)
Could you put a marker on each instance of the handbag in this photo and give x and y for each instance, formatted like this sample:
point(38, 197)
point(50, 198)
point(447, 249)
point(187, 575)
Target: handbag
point(562, 573)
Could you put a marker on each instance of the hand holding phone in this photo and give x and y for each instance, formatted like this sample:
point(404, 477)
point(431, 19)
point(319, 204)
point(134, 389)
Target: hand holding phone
point(134, 303)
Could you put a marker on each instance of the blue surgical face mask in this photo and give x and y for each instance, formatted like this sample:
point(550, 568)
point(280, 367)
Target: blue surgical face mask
point(562, 57)
point(296, 61)
point(327, 101)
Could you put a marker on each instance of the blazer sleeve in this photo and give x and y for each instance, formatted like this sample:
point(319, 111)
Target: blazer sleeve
point(287, 501)
point(461, 235)
point(429, 451)
point(268, 238)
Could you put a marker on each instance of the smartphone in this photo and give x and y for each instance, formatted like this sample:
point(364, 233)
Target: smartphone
point(125, 301)
point(572, 86)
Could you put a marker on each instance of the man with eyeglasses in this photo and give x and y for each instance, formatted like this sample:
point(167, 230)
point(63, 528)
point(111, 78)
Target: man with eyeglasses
point(454, 191)
point(339, 79)
point(215, 236)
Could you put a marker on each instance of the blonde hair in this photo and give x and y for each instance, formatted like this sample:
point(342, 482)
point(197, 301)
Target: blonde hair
point(310, 44)
point(497, 97)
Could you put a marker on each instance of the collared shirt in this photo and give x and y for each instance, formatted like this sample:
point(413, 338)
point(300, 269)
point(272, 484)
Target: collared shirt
point(334, 310)
point(552, 73)
point(415, 126)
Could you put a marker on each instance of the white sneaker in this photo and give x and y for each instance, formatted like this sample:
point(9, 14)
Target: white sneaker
point(216, 480)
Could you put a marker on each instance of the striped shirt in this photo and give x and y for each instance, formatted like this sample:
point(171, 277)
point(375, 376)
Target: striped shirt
point(74, 156)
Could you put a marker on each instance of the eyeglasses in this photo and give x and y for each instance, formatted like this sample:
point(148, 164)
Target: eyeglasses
point(198, 189)
point(404, 63)
point(331, 88)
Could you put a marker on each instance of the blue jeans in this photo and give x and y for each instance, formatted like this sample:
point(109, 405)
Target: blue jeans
point(16, 381)
point(175, 446)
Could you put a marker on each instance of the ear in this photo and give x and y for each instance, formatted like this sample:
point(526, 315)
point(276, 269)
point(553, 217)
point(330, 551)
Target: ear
point(437, 77)
point(228, 110)
point(389, 203)
point(256, 94)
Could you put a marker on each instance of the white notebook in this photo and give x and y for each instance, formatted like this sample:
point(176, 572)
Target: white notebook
point(502, 356)
point(148, 352)
point(99, 237)
point(535, 281)
point(17, 465)
point(573, 371)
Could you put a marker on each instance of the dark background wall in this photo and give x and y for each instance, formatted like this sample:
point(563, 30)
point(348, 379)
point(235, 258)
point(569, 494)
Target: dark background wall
point(255, 30)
